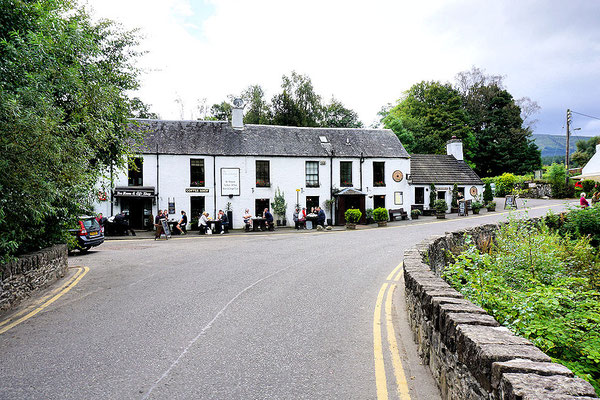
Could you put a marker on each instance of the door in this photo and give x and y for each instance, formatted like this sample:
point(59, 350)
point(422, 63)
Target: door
point(419, 195)
point(379, 201)
point(347, 202)
point(134, 208)
point(311, 201)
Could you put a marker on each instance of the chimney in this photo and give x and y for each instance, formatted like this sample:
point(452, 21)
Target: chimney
point(237, 114)
point(454, 148)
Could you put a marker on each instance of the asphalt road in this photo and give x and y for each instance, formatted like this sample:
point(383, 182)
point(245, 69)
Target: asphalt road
point(269, 316)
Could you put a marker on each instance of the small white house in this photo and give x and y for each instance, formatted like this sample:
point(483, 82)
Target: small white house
point(200, 166)
point(443, 171)
point(592, 168)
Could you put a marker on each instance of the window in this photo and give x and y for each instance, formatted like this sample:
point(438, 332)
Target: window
point(378, 173)
point(197, 205)
point(312, 174)
point(419, 195)
point(379, 201)
point(197, 173)
point(311, 202)
point(136, 172)
point(262, 174)
point(260, 205)
point(345, 173)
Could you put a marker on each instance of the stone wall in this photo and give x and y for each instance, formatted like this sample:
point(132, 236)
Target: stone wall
point(470, 355)
point(31, 272)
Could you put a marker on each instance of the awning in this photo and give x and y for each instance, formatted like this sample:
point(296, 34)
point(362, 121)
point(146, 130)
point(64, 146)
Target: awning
point(134, 191)
point(593, 176)
point(350, 192)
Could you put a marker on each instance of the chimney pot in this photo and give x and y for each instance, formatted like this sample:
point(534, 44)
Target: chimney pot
point(454, 148)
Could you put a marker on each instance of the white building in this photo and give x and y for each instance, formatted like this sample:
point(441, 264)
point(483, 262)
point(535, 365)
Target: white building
point(207, 165)
point(592, 168)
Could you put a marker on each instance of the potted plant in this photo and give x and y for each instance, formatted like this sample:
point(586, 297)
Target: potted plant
point(491, 206)
point(476, 206)
point(432, 198)
point(440, 207)
point(229, 213)
point(415, 213)
point(352, 216)
point(369, 216)
point(329, 207)
point(279, 207)
point(454, 203)
point(381, 216)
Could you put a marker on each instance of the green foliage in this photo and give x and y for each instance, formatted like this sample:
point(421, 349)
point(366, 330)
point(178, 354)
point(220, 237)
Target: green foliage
point(432, 196)
point(505, 184)
point(279, 205)
point(429, 114)
point(454, 203)
point(540, 285)
point(353, 215)
point(63, 116)
point(368, 213)
point(589, 186)
point(336, 115)
point(585, 151)
point(556, 177)
point(257, 108)
point(490, 205)
point(476, 205)
point(440, 206)
point(380, 214)
point(415, 213)
point(221, 111)
point(487, 193)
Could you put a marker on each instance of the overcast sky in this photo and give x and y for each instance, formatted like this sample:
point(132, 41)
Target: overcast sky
point(366, 53)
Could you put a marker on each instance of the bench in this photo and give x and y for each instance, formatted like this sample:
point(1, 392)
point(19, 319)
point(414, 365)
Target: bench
point(398, 213)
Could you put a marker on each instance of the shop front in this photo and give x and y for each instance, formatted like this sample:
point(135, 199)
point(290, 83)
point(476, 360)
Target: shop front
point(136, 203)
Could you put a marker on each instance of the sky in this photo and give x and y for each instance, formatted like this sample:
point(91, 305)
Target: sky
point(365, 53)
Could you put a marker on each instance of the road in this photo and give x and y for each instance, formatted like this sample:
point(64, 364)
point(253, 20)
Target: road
point(260, 316)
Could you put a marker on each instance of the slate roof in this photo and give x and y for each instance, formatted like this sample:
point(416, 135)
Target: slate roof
point(441, 169)
point(219, 138)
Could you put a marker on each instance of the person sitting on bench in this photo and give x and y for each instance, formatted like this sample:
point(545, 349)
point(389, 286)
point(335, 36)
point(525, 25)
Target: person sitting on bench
point(203, 223)
point(224, 222)
point(247, 220)
point(268, 220)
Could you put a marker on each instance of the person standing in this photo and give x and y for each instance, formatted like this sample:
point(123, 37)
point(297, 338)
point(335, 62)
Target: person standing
point(296, 219)
point(158, 225)
point(268, 219)
point(181, 225)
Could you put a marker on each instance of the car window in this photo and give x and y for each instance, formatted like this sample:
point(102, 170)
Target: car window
point(91, 223)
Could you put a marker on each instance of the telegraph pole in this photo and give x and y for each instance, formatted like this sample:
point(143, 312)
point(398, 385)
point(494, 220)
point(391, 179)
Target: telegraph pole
point(567, 152)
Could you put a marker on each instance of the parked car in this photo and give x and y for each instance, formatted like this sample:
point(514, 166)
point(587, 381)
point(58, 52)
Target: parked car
point(88, 234)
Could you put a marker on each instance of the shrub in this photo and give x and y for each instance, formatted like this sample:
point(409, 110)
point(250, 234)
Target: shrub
point(476, 205)
point(432, 195)
point(279, 205)
point(415, 213)
point(352, 215)
point(368, 213)
point(440, 206)
point(487, 193)
point(380, 214)
point(505, 184)
point(589, 186)
point(454, 203)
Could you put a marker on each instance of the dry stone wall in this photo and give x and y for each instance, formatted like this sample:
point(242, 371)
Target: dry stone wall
point(470, 355)
point(31, 272)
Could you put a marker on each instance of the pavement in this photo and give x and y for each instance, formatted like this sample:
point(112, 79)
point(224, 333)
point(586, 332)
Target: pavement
point(273, 315)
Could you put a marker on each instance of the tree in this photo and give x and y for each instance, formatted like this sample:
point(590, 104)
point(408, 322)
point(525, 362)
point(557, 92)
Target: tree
point(298, 104)
point(487, 193)
point(585, 151)
point(257, 109)
point(221, 111)
point(64, 110)
point(454, 202)
point(432, 196)
point(335, 115)
point(138, 109)
point(429, 115)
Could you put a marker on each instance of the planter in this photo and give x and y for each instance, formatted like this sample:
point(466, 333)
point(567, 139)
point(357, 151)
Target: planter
point(230, 219)
point(329, 222)
point(370, 221)
point(453, 210)
point(278, 222)
point(475, 211)
point(416, 216)
point(381, 223)
point(427, 213)
point(350, 225)
point(440, 215)
point(490, 209)
point(284, 222)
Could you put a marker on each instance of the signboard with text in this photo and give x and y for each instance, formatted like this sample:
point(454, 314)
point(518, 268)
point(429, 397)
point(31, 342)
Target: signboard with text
point(230, 181)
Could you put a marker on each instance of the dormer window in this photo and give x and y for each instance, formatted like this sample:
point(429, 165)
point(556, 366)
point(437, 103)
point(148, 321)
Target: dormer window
point(323, 139)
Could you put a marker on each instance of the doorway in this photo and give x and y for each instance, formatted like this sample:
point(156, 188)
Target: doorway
point(311, 201)
point(419, 195)
point(379, 201)
point(197, 206)
point(260, 205)
point(138, 210)
point(347, 202)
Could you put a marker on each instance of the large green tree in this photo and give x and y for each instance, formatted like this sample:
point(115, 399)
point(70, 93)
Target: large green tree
point(336, 115)
point(585, 151)
point(63, 116)
point(427, 116)
point(297, 104)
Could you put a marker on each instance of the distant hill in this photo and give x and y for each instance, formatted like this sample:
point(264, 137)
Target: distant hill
point(553, 146)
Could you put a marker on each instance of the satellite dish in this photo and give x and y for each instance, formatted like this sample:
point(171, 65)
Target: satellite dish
point(238, 102)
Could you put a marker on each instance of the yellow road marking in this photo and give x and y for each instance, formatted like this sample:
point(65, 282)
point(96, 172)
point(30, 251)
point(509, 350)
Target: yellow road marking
point(397, 278)
point(44, 298)
point(380, 379)
point(401, 383)
point(64, 290)
point(389, 278)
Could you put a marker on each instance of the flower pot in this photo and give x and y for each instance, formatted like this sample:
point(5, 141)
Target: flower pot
point(454, 210)
point(491, 208)
point(427, 213)
point(278, 222)
point(440, 215)
point(476, 211)
point(350, 225)
point(415, 216)
point(381, 223)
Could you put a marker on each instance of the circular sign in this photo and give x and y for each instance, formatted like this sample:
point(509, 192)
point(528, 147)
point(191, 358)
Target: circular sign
point(397, 175)
point(473, 191)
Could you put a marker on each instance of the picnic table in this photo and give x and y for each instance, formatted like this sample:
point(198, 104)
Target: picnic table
point(258, 222)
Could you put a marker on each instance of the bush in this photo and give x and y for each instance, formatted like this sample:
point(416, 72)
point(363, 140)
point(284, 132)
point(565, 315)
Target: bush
point(380, 214)
point(440, 206)
point(505, 184)
point(454, 203)
point(279, 205)
point(476, 205)
point(541, 286)
point(368, 214)
point(415, 213)
point(487, 193)
point(352, 216)
point(589, 186)
point(432, 195)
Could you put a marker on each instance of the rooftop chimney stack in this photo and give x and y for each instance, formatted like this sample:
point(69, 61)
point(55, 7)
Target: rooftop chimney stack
point(454, 148)
point(237, 114)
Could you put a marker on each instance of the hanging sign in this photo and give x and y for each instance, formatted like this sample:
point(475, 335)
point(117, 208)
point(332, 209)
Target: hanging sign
point(510, 202)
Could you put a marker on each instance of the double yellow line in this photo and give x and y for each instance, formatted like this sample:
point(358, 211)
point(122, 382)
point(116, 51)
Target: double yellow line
point(387, 292)
point(42, 303)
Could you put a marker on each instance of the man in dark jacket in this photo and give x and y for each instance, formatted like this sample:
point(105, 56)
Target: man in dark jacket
point(321, 217)
point(269, 219)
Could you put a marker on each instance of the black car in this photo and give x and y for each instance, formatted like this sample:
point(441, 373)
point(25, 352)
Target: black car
point(88, 234)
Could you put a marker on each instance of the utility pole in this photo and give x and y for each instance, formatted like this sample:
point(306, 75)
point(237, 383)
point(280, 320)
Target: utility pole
point(567, 152)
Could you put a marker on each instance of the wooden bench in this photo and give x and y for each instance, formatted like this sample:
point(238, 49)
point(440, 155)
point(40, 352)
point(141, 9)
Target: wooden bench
point(398, 213)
